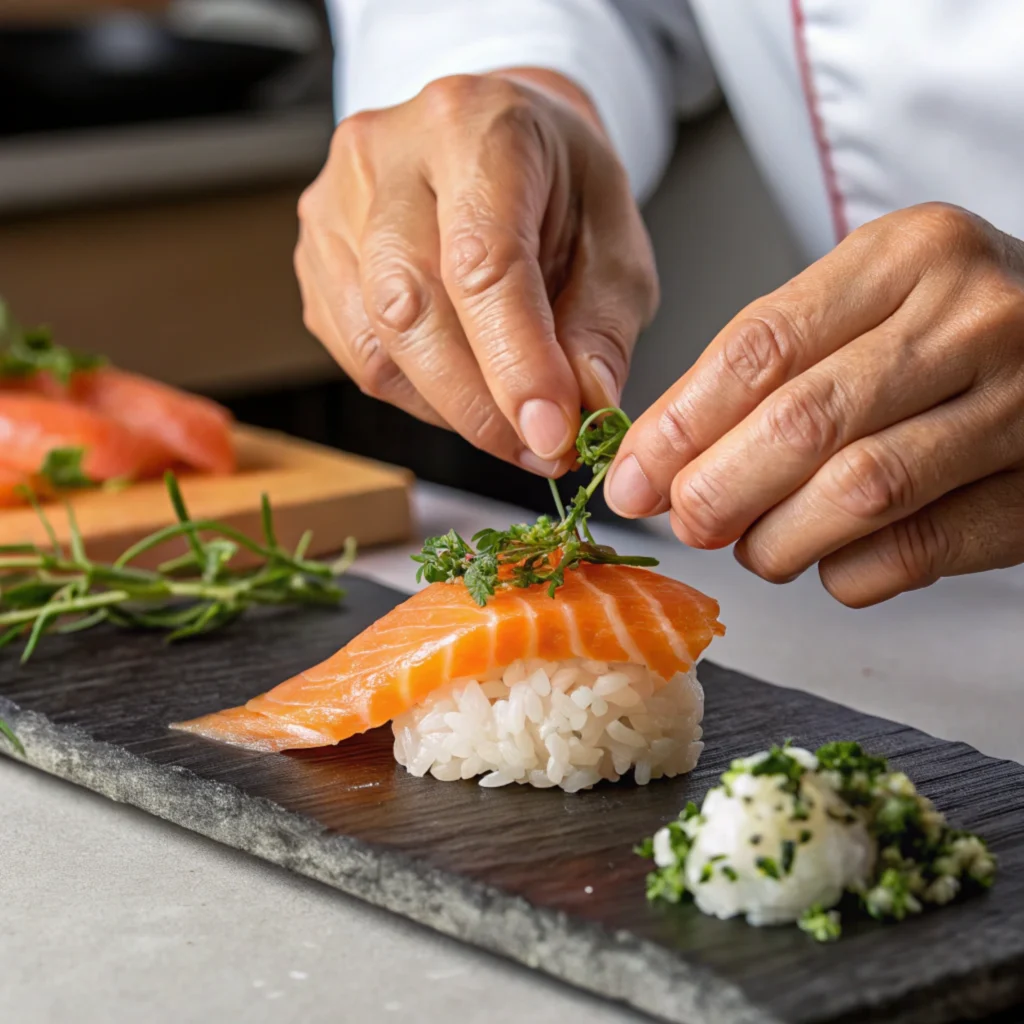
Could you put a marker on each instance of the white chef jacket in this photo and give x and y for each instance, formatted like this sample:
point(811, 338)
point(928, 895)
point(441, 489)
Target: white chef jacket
point(851, 108)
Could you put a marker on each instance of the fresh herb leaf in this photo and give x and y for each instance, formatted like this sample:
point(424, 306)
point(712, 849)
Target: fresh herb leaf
point(768, 867)
point(62, 470)
point(525, 555)
point(27, 352)
point(822, 925)
point(43, 591)
point(8, 734)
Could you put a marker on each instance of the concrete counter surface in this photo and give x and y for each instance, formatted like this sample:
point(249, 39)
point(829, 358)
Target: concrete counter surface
point(110, 915)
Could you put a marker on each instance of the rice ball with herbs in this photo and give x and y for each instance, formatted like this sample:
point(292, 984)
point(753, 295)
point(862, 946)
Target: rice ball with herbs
point(773, 839)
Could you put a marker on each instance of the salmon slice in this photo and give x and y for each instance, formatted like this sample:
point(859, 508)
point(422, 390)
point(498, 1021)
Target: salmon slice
point(195, 430)
point(32, 426)
point(603, 612)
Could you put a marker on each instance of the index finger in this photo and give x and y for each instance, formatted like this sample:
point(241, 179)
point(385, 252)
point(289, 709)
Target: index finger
point(837, 299)
point(492, 199)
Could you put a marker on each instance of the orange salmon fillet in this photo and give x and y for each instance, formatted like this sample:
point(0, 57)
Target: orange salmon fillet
point(603, 612)
point(31, 426)
point(195, 430)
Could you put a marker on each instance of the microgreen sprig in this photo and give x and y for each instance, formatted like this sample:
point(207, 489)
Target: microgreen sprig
point(27, 351)
point(56, 591)
point(540, 552)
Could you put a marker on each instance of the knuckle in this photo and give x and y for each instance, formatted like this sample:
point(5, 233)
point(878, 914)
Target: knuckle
point(354, 131)
point(759, 352)
point(483, 425)
point(697, 502)
point(917, 550)
point(871, 480)
point(308, 205)
point(944, 227)
point(398, 297)
point(769, 562)
point(802, 418)
point(450, 98)
point(376, 373)
point(479, 258)
point(673, 427)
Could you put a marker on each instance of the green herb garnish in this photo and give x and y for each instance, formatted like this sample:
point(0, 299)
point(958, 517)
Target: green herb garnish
point(44, 590)
point(24, 352)
point(62, 470)
point(822, 925)
point(7, 733)
point(542, 552)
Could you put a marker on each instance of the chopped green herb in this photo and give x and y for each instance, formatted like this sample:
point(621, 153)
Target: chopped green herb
point(26, 352)
point(821, 925)
point(806, 835)
point(755, 840)
point(767, 866)
point(730, 872)
point(645, 849)
point(705, 873)
point(788, 855)
point(668, 884)
point(62, 470)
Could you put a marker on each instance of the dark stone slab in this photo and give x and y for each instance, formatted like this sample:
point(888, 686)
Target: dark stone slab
point(507, 869)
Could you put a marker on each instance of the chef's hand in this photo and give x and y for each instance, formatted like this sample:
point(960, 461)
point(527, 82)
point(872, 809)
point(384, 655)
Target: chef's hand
point(475, 257)
point(868, 415)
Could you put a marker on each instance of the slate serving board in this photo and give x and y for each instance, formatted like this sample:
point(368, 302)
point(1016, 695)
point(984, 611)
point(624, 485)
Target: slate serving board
point(509, 870)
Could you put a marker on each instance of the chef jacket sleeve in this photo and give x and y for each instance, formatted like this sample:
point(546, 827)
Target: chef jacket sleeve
point(640, 61)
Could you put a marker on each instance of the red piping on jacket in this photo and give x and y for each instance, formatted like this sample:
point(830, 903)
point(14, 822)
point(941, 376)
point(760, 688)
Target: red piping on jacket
point(835, 197)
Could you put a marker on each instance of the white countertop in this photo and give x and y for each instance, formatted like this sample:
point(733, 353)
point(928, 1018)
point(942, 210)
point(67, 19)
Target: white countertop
point(110, 915)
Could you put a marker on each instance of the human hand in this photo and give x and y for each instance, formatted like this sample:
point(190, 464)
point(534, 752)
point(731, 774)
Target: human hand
point(475, 257)
point(868, 415)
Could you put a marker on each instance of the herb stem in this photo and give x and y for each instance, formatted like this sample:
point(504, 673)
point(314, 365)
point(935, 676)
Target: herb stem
point(558, 499)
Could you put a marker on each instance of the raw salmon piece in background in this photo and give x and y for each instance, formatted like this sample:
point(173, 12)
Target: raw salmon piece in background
point(31, 426)
point(195, 430)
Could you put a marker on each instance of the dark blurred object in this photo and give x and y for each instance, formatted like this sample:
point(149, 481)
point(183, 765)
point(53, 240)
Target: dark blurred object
point(338, 414)
point(199, 59)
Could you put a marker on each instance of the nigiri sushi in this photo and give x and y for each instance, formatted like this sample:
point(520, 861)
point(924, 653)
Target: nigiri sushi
point(31, 427)
point(562, 691)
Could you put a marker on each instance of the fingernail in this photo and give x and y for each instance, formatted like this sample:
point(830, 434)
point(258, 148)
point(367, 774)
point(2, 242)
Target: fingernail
point(535, 464)
point(630, 493)
point(544, 427)
point(603, 372)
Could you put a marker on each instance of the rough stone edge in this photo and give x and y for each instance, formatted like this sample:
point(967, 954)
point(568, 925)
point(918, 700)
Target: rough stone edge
point(612, 965)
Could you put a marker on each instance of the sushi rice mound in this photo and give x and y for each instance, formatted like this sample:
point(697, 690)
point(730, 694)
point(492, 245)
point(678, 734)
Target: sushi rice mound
point(565, 723)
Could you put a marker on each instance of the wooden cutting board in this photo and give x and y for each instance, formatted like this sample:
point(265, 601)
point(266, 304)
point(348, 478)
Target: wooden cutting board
point(539, 876)
point(310, 488)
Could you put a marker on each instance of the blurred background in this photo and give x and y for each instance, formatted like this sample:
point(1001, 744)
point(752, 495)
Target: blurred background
point(150, 162)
